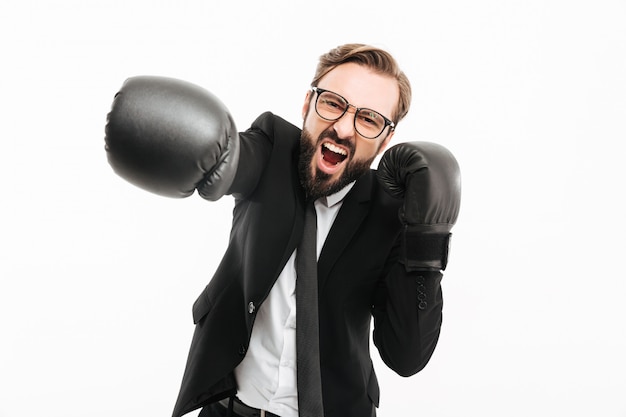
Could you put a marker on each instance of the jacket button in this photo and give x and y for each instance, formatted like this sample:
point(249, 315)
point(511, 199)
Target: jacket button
point(242, 350)
point(251, 307)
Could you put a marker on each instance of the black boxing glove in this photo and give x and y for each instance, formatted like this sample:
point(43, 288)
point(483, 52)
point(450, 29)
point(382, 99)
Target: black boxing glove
point(171, 137)
point(427, 176)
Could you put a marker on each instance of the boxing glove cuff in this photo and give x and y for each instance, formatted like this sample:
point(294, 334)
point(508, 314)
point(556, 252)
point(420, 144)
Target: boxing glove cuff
point(421, 251)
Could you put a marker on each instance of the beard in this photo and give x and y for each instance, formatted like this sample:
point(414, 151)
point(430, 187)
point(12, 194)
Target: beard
point(318, 183)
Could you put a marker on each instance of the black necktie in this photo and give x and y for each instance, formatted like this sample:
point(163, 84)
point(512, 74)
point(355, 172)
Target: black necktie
point(307, 326)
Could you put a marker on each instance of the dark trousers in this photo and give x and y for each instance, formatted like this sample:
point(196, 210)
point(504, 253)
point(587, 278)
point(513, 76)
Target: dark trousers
point(231, 408)
point(216, 410)
point(221, 409)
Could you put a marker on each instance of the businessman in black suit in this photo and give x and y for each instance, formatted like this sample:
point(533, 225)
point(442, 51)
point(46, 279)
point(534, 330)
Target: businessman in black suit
point(381, 238)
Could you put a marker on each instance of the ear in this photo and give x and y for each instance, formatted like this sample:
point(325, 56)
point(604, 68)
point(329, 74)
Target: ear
point(307, 103)
point(385, 142)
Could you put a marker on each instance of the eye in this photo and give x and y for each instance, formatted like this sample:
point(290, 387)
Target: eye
point(370, 118)
point(332, 103)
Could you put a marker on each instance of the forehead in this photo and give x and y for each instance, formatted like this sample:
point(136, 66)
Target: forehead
point(363, 87)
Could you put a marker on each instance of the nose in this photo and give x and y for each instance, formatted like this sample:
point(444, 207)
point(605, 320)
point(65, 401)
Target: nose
point(344, 126)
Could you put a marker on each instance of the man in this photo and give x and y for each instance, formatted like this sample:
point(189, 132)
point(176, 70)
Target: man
point(381, 237)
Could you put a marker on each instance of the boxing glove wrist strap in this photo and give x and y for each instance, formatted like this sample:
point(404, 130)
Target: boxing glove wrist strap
point(424, 251)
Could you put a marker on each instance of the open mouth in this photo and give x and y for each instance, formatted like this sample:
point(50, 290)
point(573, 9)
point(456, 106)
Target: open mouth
point(333, 154)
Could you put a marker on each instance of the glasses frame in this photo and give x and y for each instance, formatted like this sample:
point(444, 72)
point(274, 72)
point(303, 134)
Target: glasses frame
point(319, 91)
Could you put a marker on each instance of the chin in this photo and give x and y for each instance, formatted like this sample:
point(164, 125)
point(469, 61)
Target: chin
point(316, 182)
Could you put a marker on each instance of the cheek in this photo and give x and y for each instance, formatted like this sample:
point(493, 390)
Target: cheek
point(309, 124)
point(315, 127)
point(366, 150)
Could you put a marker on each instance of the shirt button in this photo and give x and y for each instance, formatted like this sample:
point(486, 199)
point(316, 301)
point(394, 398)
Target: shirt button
point(251, 307)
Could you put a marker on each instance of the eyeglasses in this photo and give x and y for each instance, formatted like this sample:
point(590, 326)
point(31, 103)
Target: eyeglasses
point(367, 122)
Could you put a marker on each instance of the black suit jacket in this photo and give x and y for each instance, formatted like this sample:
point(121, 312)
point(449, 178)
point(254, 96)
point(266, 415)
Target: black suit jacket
point(359, 274)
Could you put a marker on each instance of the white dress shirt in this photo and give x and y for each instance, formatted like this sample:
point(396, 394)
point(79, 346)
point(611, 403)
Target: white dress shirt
point(266, 377)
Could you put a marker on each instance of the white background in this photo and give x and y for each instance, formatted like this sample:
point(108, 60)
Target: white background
point(97, 277)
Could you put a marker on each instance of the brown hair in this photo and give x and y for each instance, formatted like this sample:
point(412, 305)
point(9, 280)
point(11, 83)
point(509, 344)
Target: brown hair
point(375, 58)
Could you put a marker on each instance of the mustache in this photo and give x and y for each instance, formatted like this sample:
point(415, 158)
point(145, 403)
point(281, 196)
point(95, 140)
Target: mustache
point(331, 134)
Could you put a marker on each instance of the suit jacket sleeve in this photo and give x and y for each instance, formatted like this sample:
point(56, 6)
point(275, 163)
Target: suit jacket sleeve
point(255, 149)
point(407, 316)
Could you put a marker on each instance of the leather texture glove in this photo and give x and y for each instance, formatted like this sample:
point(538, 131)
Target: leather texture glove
point(171, 137)
point(427, 176)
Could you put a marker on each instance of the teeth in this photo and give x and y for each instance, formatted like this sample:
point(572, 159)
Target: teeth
point(333, 148)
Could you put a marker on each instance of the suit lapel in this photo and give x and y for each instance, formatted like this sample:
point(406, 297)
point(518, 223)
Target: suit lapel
point(352, 213)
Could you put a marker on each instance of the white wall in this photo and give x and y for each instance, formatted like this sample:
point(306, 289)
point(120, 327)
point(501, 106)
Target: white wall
point(97, 277)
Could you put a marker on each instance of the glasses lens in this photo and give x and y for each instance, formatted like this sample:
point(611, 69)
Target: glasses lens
point(369, 123)
point(330, 106)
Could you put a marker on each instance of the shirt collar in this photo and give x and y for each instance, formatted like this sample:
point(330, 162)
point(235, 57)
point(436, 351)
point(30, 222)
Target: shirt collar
point(336, 198)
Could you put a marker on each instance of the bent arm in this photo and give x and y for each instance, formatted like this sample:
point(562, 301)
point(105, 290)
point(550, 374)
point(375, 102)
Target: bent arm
point(407, 318)
point(408, 311)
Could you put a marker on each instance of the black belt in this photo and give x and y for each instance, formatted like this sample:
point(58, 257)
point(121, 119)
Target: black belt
point(242, 410)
